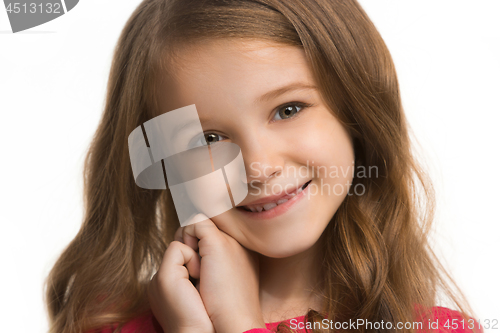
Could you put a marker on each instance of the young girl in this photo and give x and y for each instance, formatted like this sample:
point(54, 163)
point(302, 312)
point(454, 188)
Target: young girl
point(332, 235)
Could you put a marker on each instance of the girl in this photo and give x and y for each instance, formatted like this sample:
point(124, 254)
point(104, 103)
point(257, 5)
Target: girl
point(332, 235)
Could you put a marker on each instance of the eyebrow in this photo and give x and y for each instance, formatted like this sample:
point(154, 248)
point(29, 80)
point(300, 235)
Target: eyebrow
point(282, 90)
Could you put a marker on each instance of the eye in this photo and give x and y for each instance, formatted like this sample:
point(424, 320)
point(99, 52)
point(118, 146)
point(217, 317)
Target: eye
point(289, 110)
point(204, 139)
point(211, 138)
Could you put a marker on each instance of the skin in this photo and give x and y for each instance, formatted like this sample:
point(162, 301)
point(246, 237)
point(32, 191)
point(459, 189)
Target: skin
point(258, 271)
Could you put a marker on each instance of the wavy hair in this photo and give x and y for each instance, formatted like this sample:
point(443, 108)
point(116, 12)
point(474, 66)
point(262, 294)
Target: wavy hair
point(377, 265)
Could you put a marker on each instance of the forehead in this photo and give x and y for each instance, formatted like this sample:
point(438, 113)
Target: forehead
point(230, 72)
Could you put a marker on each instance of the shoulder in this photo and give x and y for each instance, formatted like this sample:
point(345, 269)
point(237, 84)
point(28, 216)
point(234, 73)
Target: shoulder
point(446, 320)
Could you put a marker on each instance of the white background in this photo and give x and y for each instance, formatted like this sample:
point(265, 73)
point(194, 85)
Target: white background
point(52, 88)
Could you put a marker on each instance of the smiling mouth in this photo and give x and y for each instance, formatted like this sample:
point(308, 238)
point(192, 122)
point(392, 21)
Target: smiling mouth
point(270, 205)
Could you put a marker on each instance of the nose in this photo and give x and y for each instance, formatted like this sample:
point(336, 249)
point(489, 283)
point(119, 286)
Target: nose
point(262, 161)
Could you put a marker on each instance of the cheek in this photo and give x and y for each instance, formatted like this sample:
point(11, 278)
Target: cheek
point(327, 149)
point(325, 145)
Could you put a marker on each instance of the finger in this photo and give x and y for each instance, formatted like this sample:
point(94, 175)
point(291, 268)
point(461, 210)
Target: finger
point(179, 255)
point(189, 240)
point(205, 230)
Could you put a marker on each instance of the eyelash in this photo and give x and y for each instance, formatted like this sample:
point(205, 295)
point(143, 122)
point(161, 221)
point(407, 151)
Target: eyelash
point(301, 105)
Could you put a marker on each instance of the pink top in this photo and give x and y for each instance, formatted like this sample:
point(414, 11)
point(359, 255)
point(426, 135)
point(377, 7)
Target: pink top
point(445, 321)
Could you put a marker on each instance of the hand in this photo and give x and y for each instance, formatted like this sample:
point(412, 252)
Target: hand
point(175, 302)
point(228, 279)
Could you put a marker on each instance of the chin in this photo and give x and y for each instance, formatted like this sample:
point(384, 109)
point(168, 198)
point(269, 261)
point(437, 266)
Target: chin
point(284, 248)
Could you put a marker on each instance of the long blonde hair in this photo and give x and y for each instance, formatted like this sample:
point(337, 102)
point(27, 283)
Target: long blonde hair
point(377, 263)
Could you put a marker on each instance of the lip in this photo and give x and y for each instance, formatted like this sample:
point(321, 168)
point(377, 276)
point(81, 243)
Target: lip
point(274, 198)
point(276, 211)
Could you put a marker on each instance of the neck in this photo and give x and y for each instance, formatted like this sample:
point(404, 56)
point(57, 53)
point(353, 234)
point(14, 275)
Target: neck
point(287, 284)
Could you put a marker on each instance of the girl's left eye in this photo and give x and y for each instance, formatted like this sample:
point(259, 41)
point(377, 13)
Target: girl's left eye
point(289, 110)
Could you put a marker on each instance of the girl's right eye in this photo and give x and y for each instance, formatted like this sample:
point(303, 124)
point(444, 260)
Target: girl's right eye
point(211, 138)
point(204, 139)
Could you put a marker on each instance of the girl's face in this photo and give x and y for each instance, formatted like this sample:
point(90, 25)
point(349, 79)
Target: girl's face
point(262, 96)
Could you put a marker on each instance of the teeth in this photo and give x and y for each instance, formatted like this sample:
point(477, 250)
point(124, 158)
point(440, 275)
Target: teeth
point(270, 205)
point(282, 201)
